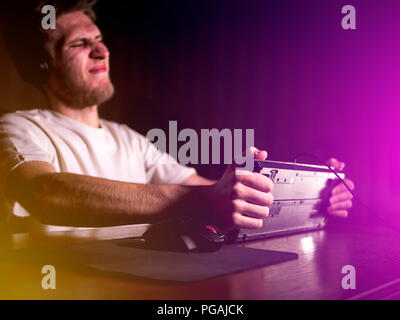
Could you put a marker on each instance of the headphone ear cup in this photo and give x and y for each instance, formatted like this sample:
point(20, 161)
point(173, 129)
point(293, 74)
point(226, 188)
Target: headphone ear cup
point(44, 68)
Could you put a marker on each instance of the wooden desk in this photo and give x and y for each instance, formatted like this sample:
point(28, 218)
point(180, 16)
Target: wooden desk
point(373, 251)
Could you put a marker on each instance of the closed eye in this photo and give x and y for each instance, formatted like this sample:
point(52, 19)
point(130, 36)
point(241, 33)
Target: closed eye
point(84, 42)
point(77, 44)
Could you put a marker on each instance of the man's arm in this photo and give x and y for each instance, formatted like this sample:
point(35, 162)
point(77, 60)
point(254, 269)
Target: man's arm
point(235, 201)
point(79, 200)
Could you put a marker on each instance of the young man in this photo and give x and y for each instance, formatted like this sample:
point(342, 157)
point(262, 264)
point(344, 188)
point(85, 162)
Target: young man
point(64, 166)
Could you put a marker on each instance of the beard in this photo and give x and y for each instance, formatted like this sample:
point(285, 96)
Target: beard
point(77, 93)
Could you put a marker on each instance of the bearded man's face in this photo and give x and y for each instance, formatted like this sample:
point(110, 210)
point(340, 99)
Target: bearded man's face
point(80, 62)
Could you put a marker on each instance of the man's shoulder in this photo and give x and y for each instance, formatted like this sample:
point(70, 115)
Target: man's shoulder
point(23, 114)
point(30, 123)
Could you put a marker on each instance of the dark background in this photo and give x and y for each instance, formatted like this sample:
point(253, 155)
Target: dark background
point(284, 68)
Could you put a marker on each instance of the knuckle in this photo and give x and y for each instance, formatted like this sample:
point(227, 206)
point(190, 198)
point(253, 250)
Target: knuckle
point(350, 183)
point(350, 195)
point(237, 205)
point(236, 219)
point(234, 193)
point(349, 204)
point(237, 190)
point(335, 189)
point(270, 184)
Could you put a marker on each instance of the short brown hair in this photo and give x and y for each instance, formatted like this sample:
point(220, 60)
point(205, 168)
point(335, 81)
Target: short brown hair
point(24, 37)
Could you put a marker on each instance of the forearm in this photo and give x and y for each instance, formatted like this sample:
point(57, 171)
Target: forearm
point(78, 200)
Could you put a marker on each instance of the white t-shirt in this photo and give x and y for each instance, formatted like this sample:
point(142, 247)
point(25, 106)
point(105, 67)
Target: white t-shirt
point(113, 151)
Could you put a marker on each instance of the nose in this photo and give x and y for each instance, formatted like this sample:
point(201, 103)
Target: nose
point(99, 51)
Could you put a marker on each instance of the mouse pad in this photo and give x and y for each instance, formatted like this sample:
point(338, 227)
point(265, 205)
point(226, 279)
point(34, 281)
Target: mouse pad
point(124, 258)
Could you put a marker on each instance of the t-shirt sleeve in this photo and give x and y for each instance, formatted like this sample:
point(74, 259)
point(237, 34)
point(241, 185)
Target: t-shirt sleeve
point(160, 166)
point(21, 141)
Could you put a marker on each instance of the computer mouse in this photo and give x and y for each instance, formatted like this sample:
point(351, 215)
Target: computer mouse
point(183, 236)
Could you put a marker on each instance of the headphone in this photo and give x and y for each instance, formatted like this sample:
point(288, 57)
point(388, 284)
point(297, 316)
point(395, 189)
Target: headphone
point(44, 69)
point(24, 44)
point(44, 66)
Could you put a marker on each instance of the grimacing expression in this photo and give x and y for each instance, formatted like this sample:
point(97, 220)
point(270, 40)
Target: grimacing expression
point(80, 62)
